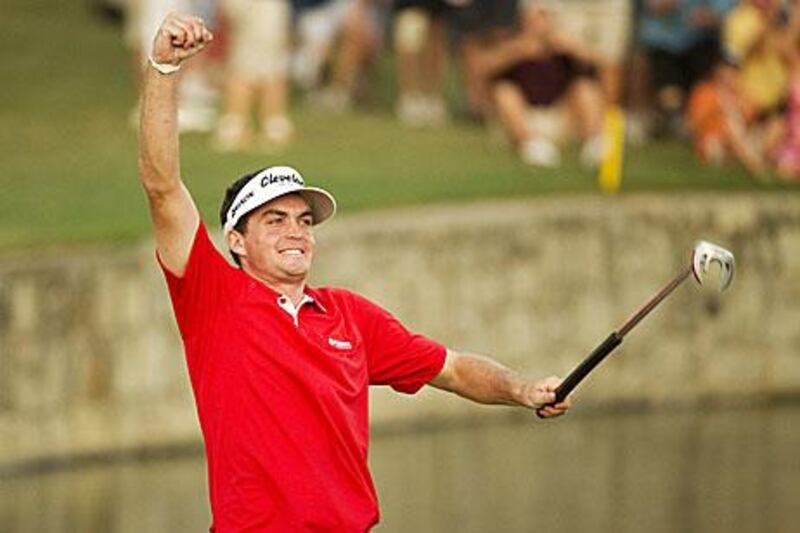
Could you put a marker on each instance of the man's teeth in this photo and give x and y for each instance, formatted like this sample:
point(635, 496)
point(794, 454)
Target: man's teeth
point(292, 252)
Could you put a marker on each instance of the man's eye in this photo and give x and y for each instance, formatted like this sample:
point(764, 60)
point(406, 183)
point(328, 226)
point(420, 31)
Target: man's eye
point(274, 221)
point(306, 221)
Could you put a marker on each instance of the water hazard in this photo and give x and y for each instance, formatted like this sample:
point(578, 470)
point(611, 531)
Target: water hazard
point(732, 470)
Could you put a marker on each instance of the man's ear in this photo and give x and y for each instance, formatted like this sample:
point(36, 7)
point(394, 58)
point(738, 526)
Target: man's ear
point(235, 242)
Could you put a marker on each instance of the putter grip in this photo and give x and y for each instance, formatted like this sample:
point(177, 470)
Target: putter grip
point(587, 365)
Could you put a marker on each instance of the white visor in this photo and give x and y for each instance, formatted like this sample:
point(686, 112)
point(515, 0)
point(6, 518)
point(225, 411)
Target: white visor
point(271, 183)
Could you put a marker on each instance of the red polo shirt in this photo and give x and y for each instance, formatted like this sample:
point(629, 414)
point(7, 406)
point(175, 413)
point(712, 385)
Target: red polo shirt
point(282, 400)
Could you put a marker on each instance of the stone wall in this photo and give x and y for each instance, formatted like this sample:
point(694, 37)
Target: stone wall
point(90, 361)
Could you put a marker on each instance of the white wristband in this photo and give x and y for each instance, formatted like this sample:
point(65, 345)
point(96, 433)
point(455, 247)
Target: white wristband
point(163, 68)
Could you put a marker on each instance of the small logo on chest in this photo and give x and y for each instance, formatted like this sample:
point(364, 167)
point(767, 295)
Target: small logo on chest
point(339, 345)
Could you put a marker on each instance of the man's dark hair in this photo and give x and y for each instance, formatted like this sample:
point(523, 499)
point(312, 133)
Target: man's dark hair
point(227, 201)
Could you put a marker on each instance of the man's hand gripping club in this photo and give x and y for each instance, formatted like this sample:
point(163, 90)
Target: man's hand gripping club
point(541, 395)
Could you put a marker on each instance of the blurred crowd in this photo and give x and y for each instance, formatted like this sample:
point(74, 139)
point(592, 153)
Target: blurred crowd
point(723, 75)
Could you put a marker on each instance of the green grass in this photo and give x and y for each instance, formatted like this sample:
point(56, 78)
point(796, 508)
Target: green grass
point(68, 165)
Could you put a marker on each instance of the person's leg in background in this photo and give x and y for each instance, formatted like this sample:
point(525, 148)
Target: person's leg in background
point(513, 112)
point(433, 65)
point(317, 26)
point(478, 25)
point(605, 27)
point(277, 129)
point(257, 75)
point(411, 25)
point(360, 41)
point(585, 101)
point(234, 129)
point(420, 59)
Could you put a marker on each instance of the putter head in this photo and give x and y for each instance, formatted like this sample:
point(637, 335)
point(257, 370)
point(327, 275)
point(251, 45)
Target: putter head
point(705, 253)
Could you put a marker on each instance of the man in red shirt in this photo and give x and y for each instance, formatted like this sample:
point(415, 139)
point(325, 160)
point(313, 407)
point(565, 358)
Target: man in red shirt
point(280, 370)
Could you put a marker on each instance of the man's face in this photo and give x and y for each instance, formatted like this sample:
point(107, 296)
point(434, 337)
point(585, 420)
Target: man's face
point(278, 244)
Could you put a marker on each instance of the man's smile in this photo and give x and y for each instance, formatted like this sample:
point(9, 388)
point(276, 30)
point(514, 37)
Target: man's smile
point(292, 251)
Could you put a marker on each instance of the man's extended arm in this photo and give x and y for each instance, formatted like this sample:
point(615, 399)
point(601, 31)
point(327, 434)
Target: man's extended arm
point(484, 380)
point(175, 217)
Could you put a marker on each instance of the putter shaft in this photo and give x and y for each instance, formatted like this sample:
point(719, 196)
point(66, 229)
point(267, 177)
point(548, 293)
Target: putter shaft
point(654, 301)
point(615, 338)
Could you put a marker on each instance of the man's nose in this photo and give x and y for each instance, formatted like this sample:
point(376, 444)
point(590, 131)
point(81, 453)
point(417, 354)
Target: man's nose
point(296, 229)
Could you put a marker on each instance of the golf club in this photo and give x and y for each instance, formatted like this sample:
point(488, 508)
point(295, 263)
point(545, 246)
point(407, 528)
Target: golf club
point(703, 254)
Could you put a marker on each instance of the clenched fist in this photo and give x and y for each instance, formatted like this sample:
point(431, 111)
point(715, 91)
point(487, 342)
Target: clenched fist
point(179, 37)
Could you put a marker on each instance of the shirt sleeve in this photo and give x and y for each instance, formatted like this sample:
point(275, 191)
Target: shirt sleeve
point(203, 290)
point(397, 356)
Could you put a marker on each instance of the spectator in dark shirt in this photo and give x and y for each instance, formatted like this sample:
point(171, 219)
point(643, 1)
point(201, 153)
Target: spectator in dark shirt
point(545, 90)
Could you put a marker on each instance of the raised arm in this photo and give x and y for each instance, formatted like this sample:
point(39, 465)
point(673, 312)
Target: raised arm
point(483, 380)
point(174, 214)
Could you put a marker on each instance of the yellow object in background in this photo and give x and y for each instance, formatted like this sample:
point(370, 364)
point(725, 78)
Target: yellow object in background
point(610, 176)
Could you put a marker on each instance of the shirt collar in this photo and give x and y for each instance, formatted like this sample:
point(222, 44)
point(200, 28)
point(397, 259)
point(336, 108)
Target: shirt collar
point(313, 296)
point(310, 296)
